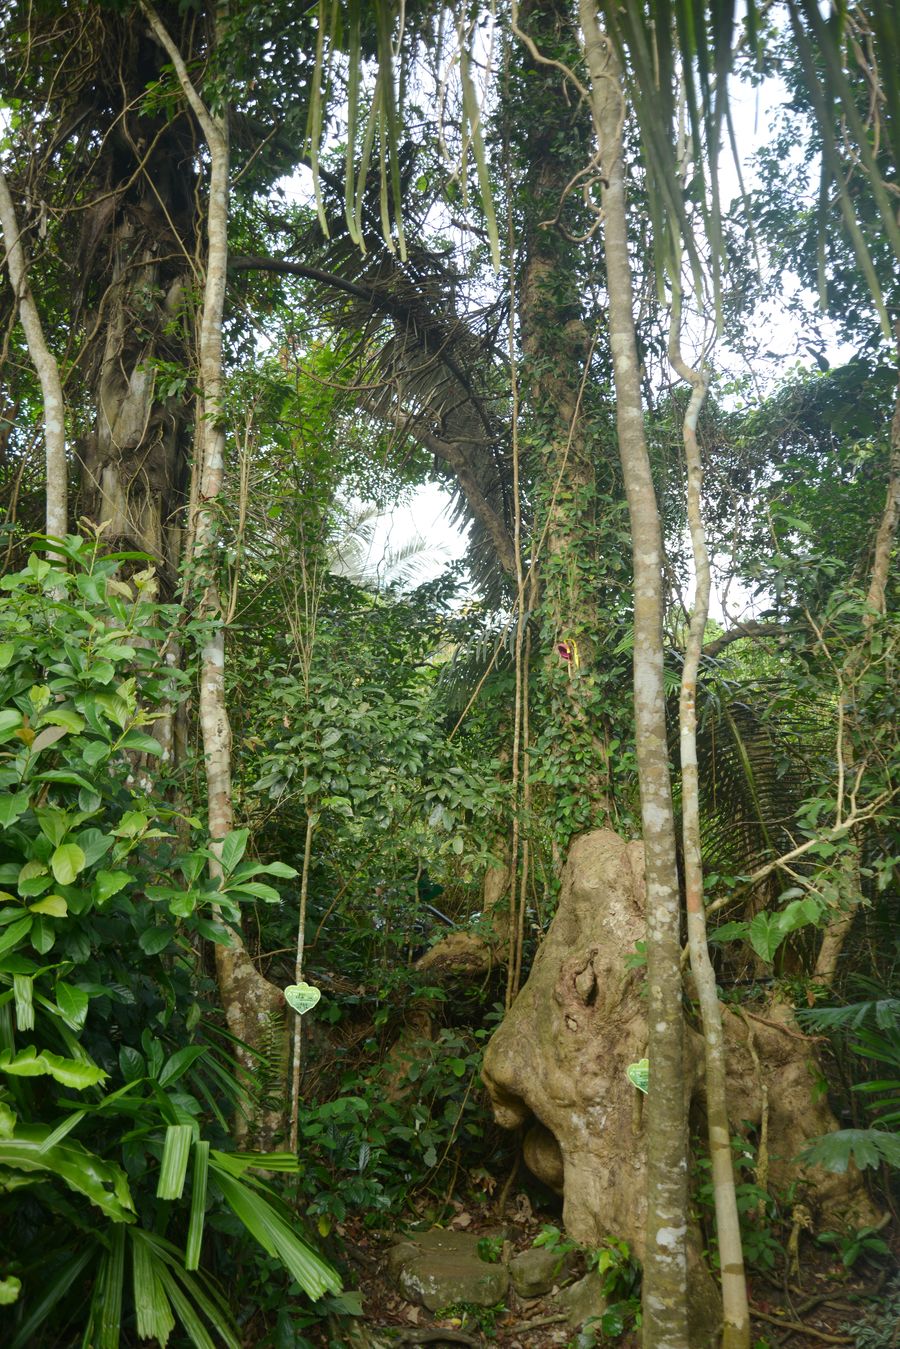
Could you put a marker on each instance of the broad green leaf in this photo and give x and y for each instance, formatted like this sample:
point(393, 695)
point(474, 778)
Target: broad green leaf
point(302, 997)
point(179, 1063)
point(140, 742)
point(66, 776)
point(155, 939)
point(10, 721)
point(800, 913)
point(15, 933)
point(102, 1182)
point(132, 823)
point(64, 716)
point(7, 651)
point(638, 1074)
point(12, 807)
point(258, 889)
point(766, 935)
point(233, 848)
point(108, 883)
point(73, 1003)
point(67, 862)
point(74, 1073)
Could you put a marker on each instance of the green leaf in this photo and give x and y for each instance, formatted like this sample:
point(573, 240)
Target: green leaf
point(63, 716)
point(73, 1003)
point(638, 1074)
point(10, 721)
point(7, 651)
point(15, 933)
point(766, 935)
point(179, 1063)
point(302, 997)
point(866, 1147)
point(44, 1299)
point(140, 742)
point(108, 883)
point(258, 889)
point(151, 1306)
point(132, 823)
point(10, 1288)
point(173, 1168)
point(198, 1205)
point(74, 1073)
point(312, 1273)
point(233, 848)
point(23, 989)
point(67, 862)
point(12, 807)
point(155, 939)
point(102, 1182)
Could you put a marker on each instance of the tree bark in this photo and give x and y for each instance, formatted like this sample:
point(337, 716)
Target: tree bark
point(736, 1319)
point(253, 1007)
point(44, 363)
point(665, 1265)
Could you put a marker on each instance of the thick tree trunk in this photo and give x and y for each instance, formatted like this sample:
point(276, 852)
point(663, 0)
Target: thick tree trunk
point(253, 1007)
point(665, 1259)
point(553, 143)
point(44, 361)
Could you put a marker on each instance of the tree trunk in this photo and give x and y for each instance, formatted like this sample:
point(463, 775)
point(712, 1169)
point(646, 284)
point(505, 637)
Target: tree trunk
point(735, 1312)
point(665, 1259)
point(44, 361)
point(253, 1007)
point(554, 142)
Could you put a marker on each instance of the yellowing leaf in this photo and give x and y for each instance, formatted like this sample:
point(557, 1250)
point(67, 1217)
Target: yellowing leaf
point(66, 863)
point(53, 905)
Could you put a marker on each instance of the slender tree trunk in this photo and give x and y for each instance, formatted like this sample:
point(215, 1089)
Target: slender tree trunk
point(665, 1264)
point(736, 1319)
point(44, 363)
point(252, 1005)
point(838, 929)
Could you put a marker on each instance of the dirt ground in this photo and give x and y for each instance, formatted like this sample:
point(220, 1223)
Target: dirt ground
point(818, 1305)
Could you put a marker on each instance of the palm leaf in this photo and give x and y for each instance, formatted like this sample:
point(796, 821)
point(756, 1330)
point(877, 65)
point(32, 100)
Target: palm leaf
point(312, 1273)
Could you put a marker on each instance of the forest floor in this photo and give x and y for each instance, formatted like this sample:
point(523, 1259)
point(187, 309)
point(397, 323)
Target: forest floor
point(823, 1303)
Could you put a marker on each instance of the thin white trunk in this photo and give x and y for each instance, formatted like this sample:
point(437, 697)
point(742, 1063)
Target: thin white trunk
point(736, 1318)
point(665, 1317)
point(252, 1006)
point(44, 363)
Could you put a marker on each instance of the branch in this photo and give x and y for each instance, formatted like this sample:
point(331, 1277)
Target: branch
point(742, 630)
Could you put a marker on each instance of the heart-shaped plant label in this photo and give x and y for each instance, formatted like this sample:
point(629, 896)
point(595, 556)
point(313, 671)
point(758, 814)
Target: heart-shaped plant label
point(302, 997)
point(639, 1074)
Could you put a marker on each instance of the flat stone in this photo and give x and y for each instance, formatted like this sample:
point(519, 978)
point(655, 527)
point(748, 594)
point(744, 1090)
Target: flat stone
point(583, 1299)
point(441, 1267)
point(534, 1272)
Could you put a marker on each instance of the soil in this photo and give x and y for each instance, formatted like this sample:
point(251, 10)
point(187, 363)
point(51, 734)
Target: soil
point(817, 1306)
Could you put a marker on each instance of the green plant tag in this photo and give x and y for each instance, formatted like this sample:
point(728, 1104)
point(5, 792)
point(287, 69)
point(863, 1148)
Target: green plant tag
point(639, 1074)
point(302, 997)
